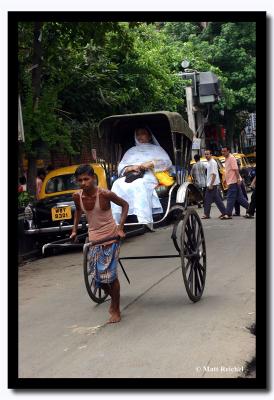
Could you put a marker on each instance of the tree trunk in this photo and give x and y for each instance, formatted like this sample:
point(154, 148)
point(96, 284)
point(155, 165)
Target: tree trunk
point(36, 89)
point(36, 62)
point(31, 179)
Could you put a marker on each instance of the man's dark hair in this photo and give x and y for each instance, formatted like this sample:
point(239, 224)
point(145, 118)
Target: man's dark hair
point(84, 169)
point(22, 180)
point(41, 171)
point(227, 147)
point(208, 150)
point(197, 157)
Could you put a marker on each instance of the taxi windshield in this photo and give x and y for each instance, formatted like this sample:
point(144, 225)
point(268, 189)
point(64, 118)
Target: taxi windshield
point(61, 183)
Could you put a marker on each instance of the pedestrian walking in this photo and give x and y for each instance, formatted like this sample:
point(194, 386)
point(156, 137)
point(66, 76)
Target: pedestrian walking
point(198, 174)
point(233, 181)
point(252, 206)
point(237, 212)
point(102, 258)
point(212, 193)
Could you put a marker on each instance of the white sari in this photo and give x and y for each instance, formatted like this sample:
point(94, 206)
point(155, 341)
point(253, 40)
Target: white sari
point(141, 194)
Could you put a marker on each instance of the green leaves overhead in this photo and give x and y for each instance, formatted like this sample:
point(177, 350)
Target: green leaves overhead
point(93, 69)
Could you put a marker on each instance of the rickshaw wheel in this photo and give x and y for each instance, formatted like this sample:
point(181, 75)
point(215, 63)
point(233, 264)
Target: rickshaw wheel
point(96, 294)
point(193, 255)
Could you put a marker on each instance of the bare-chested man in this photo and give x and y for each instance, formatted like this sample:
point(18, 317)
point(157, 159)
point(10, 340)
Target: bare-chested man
point(102, 258)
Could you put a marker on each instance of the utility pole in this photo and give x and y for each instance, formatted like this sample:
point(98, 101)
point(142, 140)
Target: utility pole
point(203, 91)
point(190, 112)
point(191, 115)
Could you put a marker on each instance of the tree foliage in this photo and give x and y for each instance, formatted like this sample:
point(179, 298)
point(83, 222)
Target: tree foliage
point(93, 69)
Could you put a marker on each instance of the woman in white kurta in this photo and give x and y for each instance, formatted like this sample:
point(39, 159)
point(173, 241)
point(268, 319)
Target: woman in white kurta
point(149, 156)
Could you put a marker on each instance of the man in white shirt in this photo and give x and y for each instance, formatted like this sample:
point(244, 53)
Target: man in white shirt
point(212, 190)
point(198, 173)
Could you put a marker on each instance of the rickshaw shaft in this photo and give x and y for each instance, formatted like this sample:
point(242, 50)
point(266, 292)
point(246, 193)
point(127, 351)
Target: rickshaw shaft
point(137, 258)
point(146, 257)
point(124, 271)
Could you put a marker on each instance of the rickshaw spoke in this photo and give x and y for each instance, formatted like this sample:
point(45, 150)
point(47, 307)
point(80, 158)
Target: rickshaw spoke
point(198, 239)
point(199, 243)
point(201, 267)
point(190, 278)
point(100, 293)
point(188, 264)
point(190, 255)
point(194, 225)
point(201, 276)
point(197, 280)
point(188, 247)
point(189, 236)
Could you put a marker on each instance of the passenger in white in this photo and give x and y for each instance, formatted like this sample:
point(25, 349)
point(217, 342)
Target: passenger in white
point(146, 156)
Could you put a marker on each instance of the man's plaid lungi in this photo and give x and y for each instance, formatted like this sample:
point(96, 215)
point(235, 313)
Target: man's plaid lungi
point(102, 263)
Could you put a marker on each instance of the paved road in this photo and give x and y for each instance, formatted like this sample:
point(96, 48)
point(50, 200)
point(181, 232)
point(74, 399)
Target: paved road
point(63, 334)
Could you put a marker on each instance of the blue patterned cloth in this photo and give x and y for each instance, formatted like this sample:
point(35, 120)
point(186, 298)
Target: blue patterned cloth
point(102, 263)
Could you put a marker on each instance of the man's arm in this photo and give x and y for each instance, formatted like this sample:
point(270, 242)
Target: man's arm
point(212, 175)
point(77, 215)
point(122, 203)
point(236, 169)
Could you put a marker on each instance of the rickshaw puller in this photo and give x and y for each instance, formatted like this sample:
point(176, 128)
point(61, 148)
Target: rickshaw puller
point(96, 204)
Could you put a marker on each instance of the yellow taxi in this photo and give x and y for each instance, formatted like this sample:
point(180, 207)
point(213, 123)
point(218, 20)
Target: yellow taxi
point(251, 157)
point(53, 212)
point(241, 160)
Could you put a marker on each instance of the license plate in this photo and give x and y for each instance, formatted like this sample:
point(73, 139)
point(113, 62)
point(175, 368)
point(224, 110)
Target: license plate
point(60, 213)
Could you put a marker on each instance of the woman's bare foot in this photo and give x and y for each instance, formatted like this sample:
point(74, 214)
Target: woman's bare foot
point(115, 317)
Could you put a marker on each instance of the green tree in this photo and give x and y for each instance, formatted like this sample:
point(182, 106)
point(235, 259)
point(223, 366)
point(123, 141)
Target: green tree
point(228, 50)
point(49, 53)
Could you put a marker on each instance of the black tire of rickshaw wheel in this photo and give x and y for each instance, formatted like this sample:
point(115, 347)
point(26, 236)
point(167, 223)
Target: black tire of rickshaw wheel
point(197, 268)
point(98, 300)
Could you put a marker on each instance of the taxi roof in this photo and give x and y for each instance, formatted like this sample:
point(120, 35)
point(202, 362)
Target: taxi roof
point(70, 169)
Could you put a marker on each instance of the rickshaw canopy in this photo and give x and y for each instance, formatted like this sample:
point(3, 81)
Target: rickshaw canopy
point(170, 129)
point(170, 121)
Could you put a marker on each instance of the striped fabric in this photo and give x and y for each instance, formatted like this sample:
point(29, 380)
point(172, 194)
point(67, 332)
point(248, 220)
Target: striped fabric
point(102, 263)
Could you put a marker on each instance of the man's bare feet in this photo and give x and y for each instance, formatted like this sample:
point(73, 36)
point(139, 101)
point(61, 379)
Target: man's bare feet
point(111, 309)
point(115, 317)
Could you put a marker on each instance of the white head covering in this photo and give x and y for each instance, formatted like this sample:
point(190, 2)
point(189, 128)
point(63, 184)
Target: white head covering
point(154, 140)
point(143, 152)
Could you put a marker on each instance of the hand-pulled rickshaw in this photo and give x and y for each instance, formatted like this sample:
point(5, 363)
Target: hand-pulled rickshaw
point(175, 137)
